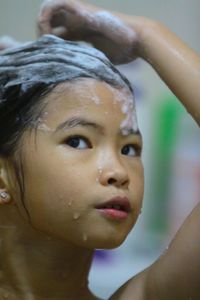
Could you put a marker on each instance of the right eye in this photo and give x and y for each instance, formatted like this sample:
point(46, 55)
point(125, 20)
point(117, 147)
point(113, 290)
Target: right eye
point(131, 150)
point(78, 142)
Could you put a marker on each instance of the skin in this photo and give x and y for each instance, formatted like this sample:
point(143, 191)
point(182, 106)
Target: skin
point(176, 274)
point(53, 246)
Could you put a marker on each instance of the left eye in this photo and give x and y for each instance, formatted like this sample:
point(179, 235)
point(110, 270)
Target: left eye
point(78, 142)
point(130, 150)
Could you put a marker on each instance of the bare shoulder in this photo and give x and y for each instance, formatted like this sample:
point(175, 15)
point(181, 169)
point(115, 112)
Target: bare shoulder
point(133, 289)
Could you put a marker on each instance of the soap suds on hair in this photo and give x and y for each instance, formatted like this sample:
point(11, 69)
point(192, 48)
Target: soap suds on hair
point(125, 98)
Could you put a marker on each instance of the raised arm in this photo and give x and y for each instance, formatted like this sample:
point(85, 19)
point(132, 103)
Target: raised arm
point(123, 38)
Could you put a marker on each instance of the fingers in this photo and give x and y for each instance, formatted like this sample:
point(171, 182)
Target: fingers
point(54, 14)
point(44, 18)
point(48, 10)
point(74, 20)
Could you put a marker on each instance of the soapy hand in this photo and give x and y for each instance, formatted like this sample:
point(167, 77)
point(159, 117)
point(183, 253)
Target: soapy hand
point(74, 20)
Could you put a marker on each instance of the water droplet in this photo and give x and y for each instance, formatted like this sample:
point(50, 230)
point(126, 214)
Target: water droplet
point(76, 216)
point(69, 203)
point(100, 170)
point(85, 237)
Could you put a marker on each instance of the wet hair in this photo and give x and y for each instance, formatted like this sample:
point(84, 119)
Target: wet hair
point(31, 71)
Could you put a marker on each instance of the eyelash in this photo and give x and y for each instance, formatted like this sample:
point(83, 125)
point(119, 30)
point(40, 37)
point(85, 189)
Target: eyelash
point(78, 138)
point(136, 147)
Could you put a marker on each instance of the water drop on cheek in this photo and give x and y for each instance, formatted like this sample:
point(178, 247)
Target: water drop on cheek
point(69, 204)
point(100, 170)
point(85, 237)
point(76, 216)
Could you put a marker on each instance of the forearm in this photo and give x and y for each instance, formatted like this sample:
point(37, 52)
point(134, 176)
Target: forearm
point(176, 63)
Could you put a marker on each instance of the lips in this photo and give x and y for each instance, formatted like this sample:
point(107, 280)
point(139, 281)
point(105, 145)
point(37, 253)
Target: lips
point(115, 208)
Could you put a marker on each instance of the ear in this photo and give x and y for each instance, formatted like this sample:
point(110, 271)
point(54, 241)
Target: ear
point(5, 196)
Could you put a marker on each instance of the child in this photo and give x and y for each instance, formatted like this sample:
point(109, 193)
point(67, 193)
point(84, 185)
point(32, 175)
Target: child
point(71, 175)
point(71, 172)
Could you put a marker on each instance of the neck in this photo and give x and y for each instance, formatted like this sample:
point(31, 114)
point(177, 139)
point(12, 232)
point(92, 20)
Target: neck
point(45, 268)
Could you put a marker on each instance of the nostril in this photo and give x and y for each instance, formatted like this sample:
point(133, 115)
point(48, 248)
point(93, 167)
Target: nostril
point(111, 181)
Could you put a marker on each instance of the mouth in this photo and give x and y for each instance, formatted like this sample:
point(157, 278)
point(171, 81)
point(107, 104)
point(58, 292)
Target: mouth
point(115, 208)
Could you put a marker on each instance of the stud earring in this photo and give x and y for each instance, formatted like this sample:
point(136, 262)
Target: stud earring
point(5, 196)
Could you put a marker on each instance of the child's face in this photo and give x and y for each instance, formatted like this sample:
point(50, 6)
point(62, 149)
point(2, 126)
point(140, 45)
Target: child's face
point(84, 154)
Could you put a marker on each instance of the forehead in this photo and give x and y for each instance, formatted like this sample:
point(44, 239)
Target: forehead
point(89, 101)
point(86, 93)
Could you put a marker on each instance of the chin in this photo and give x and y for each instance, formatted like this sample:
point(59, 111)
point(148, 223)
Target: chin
point(105, 243)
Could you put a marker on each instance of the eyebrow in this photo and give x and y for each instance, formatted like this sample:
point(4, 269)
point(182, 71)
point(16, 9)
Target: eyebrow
point(78, 121)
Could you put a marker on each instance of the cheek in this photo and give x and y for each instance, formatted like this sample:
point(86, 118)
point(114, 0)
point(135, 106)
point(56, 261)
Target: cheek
point(137, 185)
point(54, 199)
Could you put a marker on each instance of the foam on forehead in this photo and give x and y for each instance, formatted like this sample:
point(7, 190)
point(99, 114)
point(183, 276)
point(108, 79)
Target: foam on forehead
point(51, 60)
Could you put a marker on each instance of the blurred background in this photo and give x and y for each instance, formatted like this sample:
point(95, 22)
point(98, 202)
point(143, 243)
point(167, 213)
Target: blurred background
point(171, 138)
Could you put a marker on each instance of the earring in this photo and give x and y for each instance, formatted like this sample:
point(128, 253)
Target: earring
point(5, 196)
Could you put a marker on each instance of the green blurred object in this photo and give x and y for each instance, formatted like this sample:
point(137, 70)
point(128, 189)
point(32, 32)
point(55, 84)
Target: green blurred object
point(166, 115)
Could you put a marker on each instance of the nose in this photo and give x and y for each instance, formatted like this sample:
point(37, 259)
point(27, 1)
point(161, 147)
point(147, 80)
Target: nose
point(112, 172)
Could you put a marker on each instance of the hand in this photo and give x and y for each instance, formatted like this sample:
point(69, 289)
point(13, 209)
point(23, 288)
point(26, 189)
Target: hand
point(73, 20)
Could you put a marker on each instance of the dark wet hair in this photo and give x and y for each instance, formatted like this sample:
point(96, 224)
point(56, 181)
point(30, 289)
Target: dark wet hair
point(31, 71)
